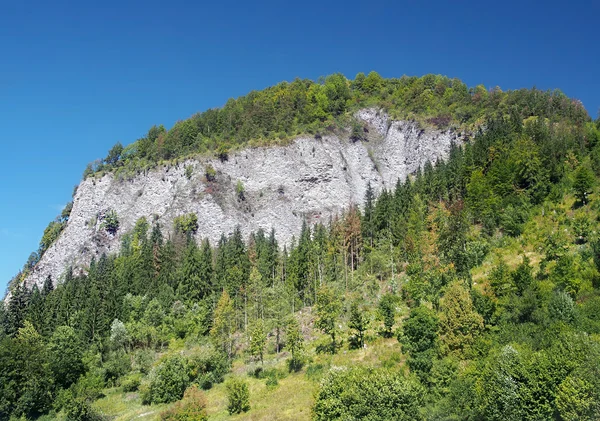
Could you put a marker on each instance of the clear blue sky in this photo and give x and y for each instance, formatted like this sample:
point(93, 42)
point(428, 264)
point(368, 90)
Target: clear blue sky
point(75, 78)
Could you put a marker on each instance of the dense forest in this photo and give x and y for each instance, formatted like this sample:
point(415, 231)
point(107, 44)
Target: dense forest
point(471, 291)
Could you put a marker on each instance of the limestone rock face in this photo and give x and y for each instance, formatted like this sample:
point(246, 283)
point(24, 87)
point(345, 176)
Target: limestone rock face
point(309, 179)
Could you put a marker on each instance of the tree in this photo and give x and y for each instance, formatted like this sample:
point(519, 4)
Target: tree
point(328, 311)
point(114, 154)
point(224, 325)
point(186, 224)
point(459, 322)
point(191, 407)
point(419, 340)
point(387, 312)
point(66, 353)
point(17, 309)
point(295, 343)
point(119, 337)
point(583, 182)
point(359, 321)
point(238, 396)
point(258, 340)
point(576, 400)
point(168, 380)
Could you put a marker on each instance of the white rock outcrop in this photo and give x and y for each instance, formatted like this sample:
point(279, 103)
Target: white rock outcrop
point(309, 179)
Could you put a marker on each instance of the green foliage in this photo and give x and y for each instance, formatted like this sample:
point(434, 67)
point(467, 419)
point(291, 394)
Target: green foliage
point(66, 355)
point(207, 367)
point(189, 170)
point(447, 240)
point(131, 383)
point(238, 396)
point(419, 339)
point(191, 408)
point(51, 234)
point(362, 393)
point(168, 381)
point(258, 340)
point(459, 324)
point(583, 182)
point(210, 173)
point(387, 312)
point(223, 325)
point(328, 311)
point(110, 221)
point(359, 321)
point(240, 190)
point(577, 399)
point(295, 343)
point(186, 224)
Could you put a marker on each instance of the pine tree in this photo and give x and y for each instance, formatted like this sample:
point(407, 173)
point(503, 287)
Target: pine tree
point(258, 340)
point(368, 226)
point(35, 309)
point(17, 309)
point(192, 288)
point(48, 286)
point(295, 343)
point(328, 311)
point(359, 322)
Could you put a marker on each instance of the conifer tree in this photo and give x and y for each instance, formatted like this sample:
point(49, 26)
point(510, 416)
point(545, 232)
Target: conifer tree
point(224, 325)
point(258, 340)
point(328, 311)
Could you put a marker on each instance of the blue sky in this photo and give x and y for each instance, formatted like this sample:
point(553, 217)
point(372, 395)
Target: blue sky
point(75, 77)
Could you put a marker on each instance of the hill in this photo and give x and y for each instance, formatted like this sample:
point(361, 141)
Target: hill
point(466, 288)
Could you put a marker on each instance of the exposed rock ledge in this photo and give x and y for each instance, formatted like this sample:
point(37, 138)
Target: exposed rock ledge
point(309, 179)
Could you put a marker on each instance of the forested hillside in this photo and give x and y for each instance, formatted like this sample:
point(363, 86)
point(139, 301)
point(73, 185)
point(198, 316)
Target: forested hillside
point(470, 291)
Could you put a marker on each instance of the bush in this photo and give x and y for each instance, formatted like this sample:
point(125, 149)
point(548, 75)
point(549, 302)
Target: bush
point(167, 382)
point(362, 393)
point(186, 224)
point(110, 221)
point(117, 365)
point(207, 367)
point(189, 170)
point(238, 396)
point(131, 383)
point(240, 190)
point(191, 408)
point(143, 360)
point(210, 173)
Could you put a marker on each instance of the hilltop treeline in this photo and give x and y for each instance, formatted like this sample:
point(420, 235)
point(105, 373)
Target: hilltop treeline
point(305, 107)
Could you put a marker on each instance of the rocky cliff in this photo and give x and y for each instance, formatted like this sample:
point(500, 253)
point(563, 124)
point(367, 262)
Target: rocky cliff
point(309, 179)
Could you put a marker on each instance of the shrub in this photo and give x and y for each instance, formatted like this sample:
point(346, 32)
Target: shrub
point(238, 396)
point(272, 382)
point(223, 153)
point(186, 224)
point(210, 173)
point(143, 360)
point(362, 393)
point(207, 367)
point(117, 365)
point(168, 381)
point(191, 408)
point(240, 190)
point(110, 221)
point(131, 383)
point(189, 170)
